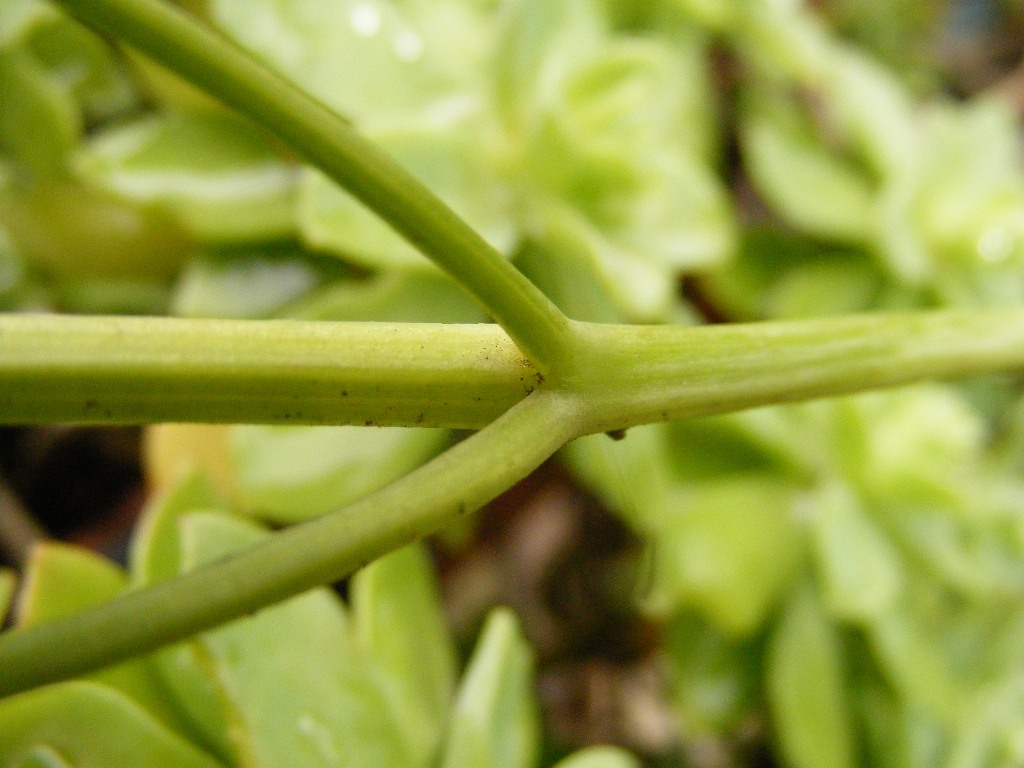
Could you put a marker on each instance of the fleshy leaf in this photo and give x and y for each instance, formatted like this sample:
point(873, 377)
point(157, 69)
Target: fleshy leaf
point(448, 154)
point(172, 452)
point(155, 553)
point(8, 584)
point(396, 58)
point(599, 757)
point(394, 296)
point(712, 678)
point(629, 475)
point(39, 123)
point(731, 551)
point(859, 568)
point(40, 757)
point(398, 623)
point(494, 723)
point(86, 67)
point(215, 173)
point(247, 284)
point(90, 726)
point(19, 18)
point(811, 188)
point(295, 688)
point(62, 580)
point(72, 231)
point(287, 474)
point(806, 689)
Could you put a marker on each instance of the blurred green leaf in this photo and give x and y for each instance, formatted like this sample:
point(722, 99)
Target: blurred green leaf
point(288, 474)
point(39, 124)
point(91, 726)
point(397, 58)
point(8, 585)
point(858, 568)
point(398, 623)
point(448, 155)
point(72, 231)
point(40, 757)
point(294, 687)
point(19, 18)
point(395, 296)
point(811, 187)
point(599, 757)
point(731, 551)
point(807, 689)
point(494, 722)
point(63, 580)
point(217, 175)
point(249, 283)
point(84, 66)
point(712, 678)
point(155, 551)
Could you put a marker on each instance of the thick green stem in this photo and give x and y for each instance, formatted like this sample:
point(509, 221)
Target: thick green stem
point(143, 370)
point(328, 141)
point(292, 561)
point(629, 375)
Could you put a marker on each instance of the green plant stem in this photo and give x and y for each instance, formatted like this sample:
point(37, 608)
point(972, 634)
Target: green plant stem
point(629, 375)
point(299, 558)
point(141, 370)
point(328, 141)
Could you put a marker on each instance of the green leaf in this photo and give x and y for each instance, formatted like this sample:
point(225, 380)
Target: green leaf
point(41, 757)
point(86, 67)
point(39, 124)
point(288, 474)
point(62, 580)
point(806, 688)
point(448, 154)
point(874, 108)
point(371, 60)
point(89, 726)
point(295, 689)
point(395, 296)
point(155, 552)
point(910, 655)
point(398, 624)
point(810, 187)
point(255, 283)
point(8, 584)
point(216, 174)
point(155, 555)
point(72, 231)
point(712, 679)
point(20, 18)
point(731, 551)
point(859, 569)
point(630, 475)
point(494, 723)
point(785, 39)
point(600, 757)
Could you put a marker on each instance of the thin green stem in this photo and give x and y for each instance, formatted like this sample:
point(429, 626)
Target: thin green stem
point(143, 370)
point(299, 558)
point(325, 139)
point(629, 375)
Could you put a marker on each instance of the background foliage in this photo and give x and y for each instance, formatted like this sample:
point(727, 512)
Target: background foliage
point(834, 583)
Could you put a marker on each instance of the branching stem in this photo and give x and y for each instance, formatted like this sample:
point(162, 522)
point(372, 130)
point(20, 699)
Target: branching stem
point(318, 552)
point(329, 142)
